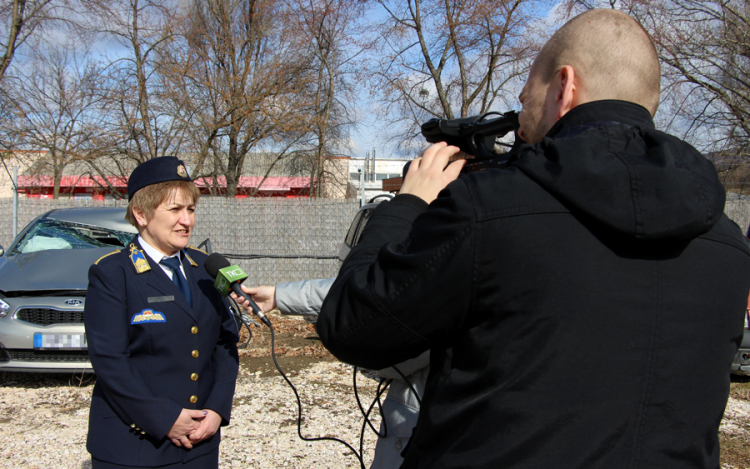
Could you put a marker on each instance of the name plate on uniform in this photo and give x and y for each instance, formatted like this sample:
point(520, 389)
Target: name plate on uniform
point(59, 341)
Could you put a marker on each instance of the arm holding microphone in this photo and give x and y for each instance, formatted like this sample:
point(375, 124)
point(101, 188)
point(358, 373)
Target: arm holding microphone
point(228, 278)
point(301, 298)
point(264, 296)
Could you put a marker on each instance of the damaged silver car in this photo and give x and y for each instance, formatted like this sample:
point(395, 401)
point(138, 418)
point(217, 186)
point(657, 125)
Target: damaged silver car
point(43, 281)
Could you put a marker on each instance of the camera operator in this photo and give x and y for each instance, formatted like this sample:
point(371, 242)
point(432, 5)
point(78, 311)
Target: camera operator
point(583, 306)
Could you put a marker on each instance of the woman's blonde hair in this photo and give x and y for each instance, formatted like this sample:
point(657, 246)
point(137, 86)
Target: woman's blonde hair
point(148, 198)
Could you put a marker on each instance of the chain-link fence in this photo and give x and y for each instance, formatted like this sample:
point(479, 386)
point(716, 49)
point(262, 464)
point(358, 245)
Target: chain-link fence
point(737, 209)
point(276, 240)
point(273, 240)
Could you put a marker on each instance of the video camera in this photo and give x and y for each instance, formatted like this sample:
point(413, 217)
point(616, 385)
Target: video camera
point(477, 136)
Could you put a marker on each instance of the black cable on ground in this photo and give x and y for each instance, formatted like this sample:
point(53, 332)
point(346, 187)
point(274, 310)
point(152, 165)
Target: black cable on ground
point(299, 409)
point(381, 389)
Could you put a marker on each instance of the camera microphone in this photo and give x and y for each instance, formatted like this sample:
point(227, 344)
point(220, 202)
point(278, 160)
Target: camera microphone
point(228, 277)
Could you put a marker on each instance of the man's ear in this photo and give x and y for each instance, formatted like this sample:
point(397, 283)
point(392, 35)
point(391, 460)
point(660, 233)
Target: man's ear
point(567, 92)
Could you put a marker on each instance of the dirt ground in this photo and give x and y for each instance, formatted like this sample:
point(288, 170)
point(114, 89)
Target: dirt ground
point(735, 447)
point(296, 344)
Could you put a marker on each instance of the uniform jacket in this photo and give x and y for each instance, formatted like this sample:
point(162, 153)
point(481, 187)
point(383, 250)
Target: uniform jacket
point(400, 409)
point(154, 355)
point(582, 306)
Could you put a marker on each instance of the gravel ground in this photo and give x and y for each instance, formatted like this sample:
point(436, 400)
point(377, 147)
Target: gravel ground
point(44, 417)
point(43, 424)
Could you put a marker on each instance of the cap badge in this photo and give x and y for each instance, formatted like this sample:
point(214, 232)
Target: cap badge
point(181, 171)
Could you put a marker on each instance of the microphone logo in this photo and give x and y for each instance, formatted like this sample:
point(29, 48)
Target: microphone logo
point(227, 276)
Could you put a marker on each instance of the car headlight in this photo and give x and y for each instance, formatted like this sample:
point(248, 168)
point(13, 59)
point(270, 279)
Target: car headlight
point(4, 308)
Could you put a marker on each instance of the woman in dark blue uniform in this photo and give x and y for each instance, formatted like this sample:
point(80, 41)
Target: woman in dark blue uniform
point(161, 339)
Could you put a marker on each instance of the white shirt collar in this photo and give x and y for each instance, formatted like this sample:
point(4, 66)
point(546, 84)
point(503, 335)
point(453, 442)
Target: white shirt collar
point(152, 252)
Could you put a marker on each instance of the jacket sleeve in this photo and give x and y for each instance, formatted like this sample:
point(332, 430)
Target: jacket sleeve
point(226, 366)
point(304, 297)
point(106, 322)
point(406, 285)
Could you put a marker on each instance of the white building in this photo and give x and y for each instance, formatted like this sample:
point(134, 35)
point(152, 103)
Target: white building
point(372, 172)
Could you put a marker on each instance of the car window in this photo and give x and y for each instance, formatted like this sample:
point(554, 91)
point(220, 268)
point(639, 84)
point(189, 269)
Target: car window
point(351, 234)
point(54, 234)
point(358, 226)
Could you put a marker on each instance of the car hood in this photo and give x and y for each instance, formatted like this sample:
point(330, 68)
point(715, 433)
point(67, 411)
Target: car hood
point(57, 269)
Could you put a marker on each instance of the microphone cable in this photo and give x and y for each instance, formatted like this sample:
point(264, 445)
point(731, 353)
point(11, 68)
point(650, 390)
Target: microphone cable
point(299, 410)
point(383, 385)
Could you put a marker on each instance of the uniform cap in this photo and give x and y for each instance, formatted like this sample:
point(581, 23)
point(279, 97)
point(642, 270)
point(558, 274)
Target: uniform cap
point(156, 170)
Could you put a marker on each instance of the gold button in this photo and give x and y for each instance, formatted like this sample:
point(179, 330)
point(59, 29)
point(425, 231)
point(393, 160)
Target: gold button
point(193, 399)
point(143, 433)
point(132, 425)
point(194, 377)
point(194, 329)
point(195, 354)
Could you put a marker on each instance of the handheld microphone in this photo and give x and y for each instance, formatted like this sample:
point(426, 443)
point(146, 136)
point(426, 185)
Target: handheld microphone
point(228, 277)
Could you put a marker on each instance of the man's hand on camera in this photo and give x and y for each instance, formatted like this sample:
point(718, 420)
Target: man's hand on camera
point(428, 174)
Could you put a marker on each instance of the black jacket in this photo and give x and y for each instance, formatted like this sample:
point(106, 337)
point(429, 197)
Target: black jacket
point(583, 306)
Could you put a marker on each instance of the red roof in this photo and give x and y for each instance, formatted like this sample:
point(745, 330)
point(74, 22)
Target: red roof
point(245, 182)
point(270, 184)
point(70, 181)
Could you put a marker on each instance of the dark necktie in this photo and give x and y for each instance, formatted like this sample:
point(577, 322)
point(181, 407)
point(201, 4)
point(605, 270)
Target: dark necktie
point(178, 278)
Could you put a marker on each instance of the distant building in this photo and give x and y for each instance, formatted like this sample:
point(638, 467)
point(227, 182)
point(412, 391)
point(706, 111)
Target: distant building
point(18, 161)
point(289, 179)
point(284, 180)
point(96, 187)
point(373, 172)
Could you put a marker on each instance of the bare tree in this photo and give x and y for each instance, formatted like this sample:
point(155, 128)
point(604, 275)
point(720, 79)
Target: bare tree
point(20, 20)
point(135, 92)
point(242, 78)
point(451, 58)
point(327, 27)
point(55, 108)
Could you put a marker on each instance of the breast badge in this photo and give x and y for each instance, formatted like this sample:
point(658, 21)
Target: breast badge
point(147, 316)
point(139, 259)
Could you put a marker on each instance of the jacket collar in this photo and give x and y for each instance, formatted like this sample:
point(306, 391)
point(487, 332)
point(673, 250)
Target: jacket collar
point(609, 110)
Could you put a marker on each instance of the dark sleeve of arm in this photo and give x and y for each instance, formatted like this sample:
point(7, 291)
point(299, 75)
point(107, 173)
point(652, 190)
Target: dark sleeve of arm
point(106, 321)
point(226, 366)
point(406, 285)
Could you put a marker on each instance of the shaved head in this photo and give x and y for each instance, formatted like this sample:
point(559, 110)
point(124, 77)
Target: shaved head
point(612, 55)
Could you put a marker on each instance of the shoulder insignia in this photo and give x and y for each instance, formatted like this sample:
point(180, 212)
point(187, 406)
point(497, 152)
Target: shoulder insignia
point(107, 255)
point(197, 249)
point(192, 262)
point(138, 259)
